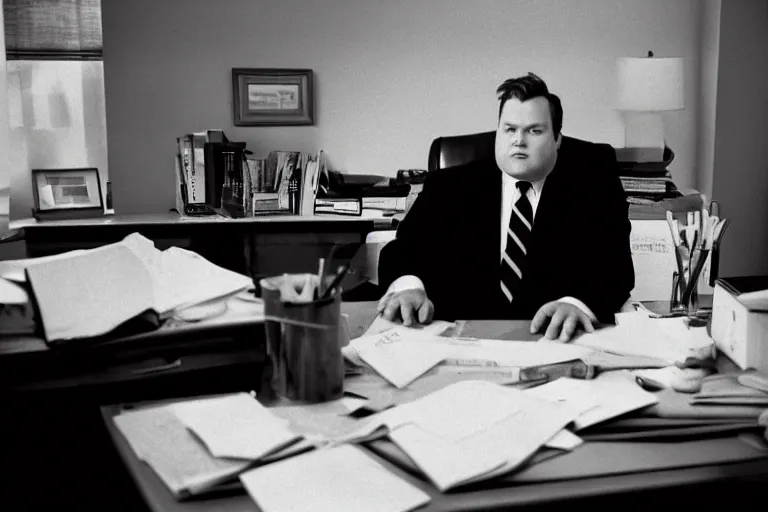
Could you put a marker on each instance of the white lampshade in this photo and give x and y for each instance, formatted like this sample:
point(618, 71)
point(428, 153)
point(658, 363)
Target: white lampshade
point(650, 84)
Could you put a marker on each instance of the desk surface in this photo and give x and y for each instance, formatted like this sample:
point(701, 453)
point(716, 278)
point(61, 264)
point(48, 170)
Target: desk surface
point(729, 460)
point(174, 218)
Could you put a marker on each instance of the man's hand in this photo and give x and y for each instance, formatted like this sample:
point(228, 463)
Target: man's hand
point(563, 318)
point(409, 305)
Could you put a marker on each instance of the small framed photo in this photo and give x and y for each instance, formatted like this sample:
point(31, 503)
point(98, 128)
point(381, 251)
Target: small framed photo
point(67, 189)
point(272, 97)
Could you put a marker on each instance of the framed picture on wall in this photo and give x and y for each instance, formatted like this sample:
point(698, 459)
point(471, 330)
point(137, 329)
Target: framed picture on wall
point(73, 190)
point(272, 96)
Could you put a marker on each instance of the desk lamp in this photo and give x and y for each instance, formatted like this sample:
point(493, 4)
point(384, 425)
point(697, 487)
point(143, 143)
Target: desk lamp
point(648, 86)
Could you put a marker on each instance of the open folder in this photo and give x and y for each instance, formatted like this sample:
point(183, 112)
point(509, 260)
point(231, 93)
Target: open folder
point(89, 294)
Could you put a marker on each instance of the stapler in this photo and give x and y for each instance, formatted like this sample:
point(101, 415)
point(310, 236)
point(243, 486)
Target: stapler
point(575, 369)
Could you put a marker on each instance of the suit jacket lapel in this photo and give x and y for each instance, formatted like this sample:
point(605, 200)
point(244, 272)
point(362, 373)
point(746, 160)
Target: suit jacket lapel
point(489, 214)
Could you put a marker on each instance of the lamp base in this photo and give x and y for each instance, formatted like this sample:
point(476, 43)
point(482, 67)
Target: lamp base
point(644, 137)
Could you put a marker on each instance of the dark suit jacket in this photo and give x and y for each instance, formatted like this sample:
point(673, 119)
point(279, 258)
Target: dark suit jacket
point(580, 248)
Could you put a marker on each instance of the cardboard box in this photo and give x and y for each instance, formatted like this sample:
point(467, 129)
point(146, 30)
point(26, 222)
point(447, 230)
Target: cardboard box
point(740, 320)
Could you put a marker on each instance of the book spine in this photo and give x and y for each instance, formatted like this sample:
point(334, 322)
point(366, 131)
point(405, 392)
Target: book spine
point(197, 191)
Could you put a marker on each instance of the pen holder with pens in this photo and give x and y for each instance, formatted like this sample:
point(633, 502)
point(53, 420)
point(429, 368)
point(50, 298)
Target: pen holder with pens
point(304, 338)
point(697, 241)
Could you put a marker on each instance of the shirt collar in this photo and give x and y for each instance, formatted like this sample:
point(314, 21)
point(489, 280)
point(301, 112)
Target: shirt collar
point(510, 181)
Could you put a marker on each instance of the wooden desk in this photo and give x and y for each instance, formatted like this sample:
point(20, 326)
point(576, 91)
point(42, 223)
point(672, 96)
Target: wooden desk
point(707, 484)
point(259, 246)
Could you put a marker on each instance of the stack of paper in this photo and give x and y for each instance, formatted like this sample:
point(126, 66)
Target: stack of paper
point(403, 354)
point(178, 441)
point(668, 340)
point(469, 431)
point(90, 293)
point(342, 479)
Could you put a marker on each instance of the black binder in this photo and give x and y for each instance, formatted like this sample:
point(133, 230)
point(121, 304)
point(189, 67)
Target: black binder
point(219, 159)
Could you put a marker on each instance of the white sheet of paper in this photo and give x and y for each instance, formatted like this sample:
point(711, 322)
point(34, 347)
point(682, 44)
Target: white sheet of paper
point(565, 440)
point(446, 464)
point(653, 255)
point(398, 357)
point(615, 393)
point(183, 278)
point(180, 459)
point(457, 411)
point(235, 426)
point(520, 435)
point(342, 479)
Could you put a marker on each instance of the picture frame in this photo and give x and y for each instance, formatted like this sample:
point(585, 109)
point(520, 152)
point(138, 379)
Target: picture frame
point(272, 97)
point(76, 190)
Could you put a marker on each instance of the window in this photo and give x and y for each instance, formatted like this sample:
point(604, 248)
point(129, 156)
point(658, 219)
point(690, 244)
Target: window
point(55, 82)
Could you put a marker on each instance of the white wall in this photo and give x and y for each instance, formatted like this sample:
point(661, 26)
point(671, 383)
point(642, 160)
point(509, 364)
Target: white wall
point(390, 75)
point(740, 178)
point(707, 100)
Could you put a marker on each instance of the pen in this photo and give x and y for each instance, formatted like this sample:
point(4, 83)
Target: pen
point(320, 277)
point(343, 269)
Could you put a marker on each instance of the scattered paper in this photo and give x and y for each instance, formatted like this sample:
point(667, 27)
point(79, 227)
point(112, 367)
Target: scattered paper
point(318, 423)
point(669, 340)
point(565, 440)
point(235, 426)
point(381, 324)
point(182, 278)
point(446, 464)
point(482, 417)
point(402, 354)
point(397, 356)
point(181, 461)
point(342, 479)
point(609, 395)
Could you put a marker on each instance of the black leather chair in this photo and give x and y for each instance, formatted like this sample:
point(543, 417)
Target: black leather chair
point(460, 149)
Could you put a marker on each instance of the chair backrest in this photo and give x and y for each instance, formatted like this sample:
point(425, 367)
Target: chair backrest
point(460, 149)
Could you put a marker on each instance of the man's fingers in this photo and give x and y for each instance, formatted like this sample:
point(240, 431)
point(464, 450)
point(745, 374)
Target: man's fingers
point(569, 326)
point(391, 309)
point(541, 316)
point(406, 311)
point(553, 331)
point(587, 323)
point(426, 311)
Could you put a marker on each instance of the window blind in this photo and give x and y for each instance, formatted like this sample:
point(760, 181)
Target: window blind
point(52, 29)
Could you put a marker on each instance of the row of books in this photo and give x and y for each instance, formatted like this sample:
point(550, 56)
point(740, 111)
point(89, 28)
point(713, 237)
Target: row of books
point(216, 175)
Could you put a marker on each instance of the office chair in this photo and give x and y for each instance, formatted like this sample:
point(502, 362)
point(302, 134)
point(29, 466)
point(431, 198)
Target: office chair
point(460, 149)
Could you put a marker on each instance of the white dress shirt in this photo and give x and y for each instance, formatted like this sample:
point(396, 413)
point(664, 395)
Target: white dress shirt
point(509, 195)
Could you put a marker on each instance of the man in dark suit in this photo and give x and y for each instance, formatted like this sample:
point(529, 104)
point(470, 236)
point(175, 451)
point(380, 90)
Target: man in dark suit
point(542, 232)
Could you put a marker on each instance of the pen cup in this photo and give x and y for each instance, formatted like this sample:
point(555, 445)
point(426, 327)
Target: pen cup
point(303, 344)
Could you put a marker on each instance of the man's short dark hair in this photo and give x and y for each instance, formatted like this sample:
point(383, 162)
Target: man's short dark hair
point(524, 88)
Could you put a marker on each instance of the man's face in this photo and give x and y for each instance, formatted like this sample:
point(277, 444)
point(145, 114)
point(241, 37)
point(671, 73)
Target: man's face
point(526, 148)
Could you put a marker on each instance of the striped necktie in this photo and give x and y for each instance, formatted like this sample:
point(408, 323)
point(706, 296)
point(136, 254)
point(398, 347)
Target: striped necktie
point(518, 238)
